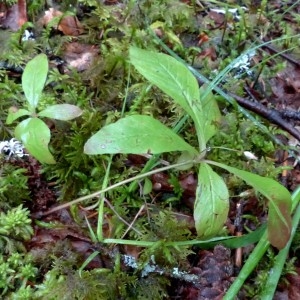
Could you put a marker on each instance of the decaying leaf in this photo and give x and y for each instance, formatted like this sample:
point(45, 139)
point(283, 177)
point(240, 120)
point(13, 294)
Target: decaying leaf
point(67, 24)
point(13, 17)
point(80, 56)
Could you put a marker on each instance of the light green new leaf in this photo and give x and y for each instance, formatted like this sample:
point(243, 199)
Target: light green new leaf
point(64, 112)
point(35, 136)
point(211, 204)
point(34, 78)
point(280, 203)
point(15, 113)
point(136, 134)
point(173, 78)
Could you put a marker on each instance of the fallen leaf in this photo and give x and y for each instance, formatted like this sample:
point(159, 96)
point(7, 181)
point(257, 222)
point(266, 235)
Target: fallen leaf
point(80, 56)
point(68, 25)
point(13, 17)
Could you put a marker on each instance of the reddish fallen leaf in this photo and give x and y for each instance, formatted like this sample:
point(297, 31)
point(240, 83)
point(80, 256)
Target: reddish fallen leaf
point(189, 183)
point(209, 53)
point(219, 19)
point(135, 160)
point(203, 38)
point(68, 25)
point(161, 182)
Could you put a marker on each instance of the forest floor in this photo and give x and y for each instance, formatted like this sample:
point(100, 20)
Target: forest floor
point(140, 240)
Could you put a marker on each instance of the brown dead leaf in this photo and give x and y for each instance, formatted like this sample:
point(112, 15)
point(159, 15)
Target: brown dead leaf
point(218, 19)
point(209, 52)
point(68, 25)
point(160, 182)
point(13, 17)
point(80, 56)
point(189, 183)
point(286, 89)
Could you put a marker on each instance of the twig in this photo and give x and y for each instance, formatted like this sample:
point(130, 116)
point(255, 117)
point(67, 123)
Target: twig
point(290, 114)
point(270, 114)
point(130, 226)
point(284, 55)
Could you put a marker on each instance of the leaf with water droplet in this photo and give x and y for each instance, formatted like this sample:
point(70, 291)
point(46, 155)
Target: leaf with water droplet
point(136, 134)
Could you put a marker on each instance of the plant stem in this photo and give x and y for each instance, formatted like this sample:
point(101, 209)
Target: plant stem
point(248, 267)
point(140, 176)
point(257, 254)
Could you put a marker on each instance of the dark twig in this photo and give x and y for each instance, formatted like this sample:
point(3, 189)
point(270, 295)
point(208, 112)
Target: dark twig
point(270, 114)
point(290, 114)
point(284, 55)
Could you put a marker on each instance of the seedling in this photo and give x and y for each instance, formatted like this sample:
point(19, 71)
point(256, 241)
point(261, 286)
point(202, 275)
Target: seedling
point(143, 134)
point(33, 132)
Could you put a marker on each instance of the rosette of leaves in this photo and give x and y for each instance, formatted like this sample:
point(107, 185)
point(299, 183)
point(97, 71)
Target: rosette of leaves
point(32, 131)
point(141, 134)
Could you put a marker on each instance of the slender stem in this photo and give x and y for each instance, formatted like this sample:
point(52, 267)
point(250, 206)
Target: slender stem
point(255, 257)
point(248, 267)
point(140, 176)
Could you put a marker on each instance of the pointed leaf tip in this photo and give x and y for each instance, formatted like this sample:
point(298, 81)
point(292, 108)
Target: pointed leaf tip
point(136, 134)
point(34, 78)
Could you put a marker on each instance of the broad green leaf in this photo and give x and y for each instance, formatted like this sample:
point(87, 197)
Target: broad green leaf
point(173, 78)
point(211, 204)
point(62, 112)
point(211, 114)
point(35, 136)
point(136, 134)
point(34, 78)
point(14, 113)
point(279, 219)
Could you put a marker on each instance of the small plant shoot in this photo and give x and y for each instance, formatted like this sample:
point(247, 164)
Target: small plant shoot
point(134, 139)
point(33, 132)
point(142, 134)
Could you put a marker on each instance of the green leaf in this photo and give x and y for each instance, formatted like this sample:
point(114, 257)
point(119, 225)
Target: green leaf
point(211, 114)
point(211, 204)
point(148, 186)
point(173, 78)
point(136, 134)
point(35, 136)
point(34, 78)
point(239, 241)
point(15, 113)
point(280, 203)
point(62, 112)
